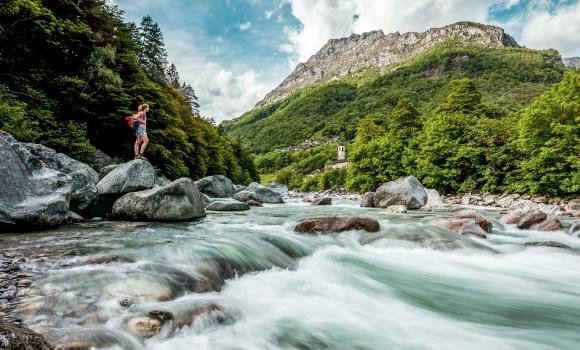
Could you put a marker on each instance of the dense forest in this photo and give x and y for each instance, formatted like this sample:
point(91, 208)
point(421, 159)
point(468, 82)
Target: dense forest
point(71, 70)
point(461, 119)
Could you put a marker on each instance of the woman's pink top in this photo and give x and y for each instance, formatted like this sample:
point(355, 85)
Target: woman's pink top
point(143, 117)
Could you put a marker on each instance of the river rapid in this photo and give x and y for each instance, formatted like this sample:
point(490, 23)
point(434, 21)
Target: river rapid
point(246, 281)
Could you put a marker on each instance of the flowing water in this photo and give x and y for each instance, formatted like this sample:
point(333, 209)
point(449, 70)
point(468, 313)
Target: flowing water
point(247, 281)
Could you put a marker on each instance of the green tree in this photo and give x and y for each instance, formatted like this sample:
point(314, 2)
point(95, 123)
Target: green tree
point(548, 134)
point(153, 54)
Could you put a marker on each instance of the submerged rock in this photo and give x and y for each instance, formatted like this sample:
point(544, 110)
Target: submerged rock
point(161, 315)
point(550, 224)
point(14, 337)
point(407, 191)
point(216, 186)
point(259, 193)
point(31, 194)
point(550, 244)
point(337, 224)
point(228, 206)
point(132, 176)
point(481, 220)
point(214, 312)
point(368, 200)
point(463, 226)
point(180, 200)
point(531, 218)
point(127, 302)
point(397, 209)
point(253, 203)
point(322, 201)
point(146, 327)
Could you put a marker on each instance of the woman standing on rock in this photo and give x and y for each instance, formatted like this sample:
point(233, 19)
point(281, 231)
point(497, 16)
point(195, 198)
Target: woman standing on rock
point(142, 140)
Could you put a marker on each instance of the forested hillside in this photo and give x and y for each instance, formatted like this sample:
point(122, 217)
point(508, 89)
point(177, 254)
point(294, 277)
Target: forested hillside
point(71, 70)
point(509, 78)
point(460, 118)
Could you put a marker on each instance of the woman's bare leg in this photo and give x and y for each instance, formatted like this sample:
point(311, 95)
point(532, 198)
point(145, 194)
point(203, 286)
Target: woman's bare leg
point(137, 144)
point(145, 140)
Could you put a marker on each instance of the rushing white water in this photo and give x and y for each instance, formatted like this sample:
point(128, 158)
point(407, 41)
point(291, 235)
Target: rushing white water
point(410, 286)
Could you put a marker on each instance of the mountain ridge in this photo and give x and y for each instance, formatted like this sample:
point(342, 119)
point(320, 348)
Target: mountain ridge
point(341, 57)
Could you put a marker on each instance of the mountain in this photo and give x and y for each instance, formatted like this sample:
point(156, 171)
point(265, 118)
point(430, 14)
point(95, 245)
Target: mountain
point(342, 57)
point(324, 105)
point(572, 62)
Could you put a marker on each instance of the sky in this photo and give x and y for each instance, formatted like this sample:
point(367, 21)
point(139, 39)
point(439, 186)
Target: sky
point(233, 52)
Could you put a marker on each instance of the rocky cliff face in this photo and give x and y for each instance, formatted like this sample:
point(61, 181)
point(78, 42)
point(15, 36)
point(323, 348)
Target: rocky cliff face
point(572, 62)
point(341, 57)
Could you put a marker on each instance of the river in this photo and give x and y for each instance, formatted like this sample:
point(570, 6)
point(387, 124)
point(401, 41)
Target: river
point(410, 286)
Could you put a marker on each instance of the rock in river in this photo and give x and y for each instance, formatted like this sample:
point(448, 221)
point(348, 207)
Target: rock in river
point(31, 194)
point(217, 186)
point(13, 337)
point(177, 201)
point(322, 201)
point(368, 200)
point(259, 193)
point(406, 191)
point(337, 224)
point(146, 327)
point(228, 206)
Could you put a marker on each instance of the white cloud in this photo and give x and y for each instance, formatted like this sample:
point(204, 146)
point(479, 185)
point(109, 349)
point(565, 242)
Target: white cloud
point(223, 94)
point(268, 14)
point(559, 29)
point(245, 25)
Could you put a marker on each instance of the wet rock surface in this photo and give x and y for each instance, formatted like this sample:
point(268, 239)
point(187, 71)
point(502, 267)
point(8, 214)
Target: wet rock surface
point(16, 337)
point(337, 224)
point(228, 206)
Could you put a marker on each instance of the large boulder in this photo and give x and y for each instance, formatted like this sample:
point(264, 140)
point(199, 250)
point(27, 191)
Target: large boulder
point(31, 194)
point(217, 186)
point(368, 200)
point(228, 206)
point(84, 177)
point(337, 224)
point(180, 200)
point(434, 198)
point(259, 193)
point(406, 191)
point(14, 337)
point(132, 176)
